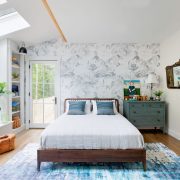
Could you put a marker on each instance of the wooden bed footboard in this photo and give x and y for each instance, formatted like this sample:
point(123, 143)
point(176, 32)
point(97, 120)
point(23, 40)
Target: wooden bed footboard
point(91, 156)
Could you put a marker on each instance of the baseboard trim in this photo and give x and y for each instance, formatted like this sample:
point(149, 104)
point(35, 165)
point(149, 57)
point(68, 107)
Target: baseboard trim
point(174, 134)
point(18, 130)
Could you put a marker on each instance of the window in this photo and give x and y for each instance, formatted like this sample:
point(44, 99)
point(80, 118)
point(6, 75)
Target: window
point(11, 21)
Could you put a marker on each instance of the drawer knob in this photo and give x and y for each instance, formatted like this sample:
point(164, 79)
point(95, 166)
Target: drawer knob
point(134, 120)
point(134, 112)
point(158, 120)
point(158, 111)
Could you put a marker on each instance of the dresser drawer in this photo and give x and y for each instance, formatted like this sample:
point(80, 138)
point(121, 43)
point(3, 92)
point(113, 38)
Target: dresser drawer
point(155, 105)
point(155, 111)
point(147, 121)
point(137, 109)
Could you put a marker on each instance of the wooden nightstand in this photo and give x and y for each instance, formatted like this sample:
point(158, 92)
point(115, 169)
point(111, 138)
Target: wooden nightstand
point(145, 114)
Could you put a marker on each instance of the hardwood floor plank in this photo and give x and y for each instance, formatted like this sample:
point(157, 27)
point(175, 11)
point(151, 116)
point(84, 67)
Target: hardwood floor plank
point(33, 136)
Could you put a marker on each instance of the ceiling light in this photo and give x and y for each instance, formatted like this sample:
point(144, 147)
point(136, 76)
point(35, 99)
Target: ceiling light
point(3, 1)
point(22, 49)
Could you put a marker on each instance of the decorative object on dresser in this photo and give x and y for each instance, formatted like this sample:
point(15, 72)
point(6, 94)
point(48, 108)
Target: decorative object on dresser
point(158, 95)
point(151, 80)
point(173, 76)
point(7, 143)
point(145, 114)
point(131, 89)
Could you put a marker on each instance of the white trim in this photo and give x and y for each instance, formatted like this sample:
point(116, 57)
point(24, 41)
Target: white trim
point(27, 94)
point(174, 134)
point(18, 130)
point(6, 128)
point(38, 126)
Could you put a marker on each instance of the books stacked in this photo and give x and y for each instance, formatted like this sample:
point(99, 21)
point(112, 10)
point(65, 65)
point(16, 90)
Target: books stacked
point(15, 106)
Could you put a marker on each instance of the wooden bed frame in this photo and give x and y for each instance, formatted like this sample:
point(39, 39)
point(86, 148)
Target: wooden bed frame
point(91, 155)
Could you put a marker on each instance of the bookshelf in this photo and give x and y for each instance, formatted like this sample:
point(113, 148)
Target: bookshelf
point(12, 63)
point(17, 88)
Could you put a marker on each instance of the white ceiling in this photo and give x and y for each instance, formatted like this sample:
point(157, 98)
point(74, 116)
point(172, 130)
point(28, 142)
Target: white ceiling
point(35, 14)
point(99, 20)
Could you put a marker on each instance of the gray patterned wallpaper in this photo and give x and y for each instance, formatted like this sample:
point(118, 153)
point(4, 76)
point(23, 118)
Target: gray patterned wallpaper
point(98, 70)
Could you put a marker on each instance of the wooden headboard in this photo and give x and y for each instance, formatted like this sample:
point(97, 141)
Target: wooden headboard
point(91, 99)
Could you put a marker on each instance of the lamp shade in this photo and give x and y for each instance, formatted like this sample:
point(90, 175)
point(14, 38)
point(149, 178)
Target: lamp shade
point(151, 79)
point(22, 49)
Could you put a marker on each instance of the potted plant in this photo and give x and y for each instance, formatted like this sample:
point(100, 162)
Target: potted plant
point(15, 76)
point(158, 95)
point(3, 88)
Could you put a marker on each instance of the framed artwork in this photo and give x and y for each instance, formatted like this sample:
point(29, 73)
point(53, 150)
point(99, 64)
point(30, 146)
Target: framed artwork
point(131, 88)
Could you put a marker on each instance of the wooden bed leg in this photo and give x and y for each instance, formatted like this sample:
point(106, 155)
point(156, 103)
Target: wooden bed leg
point(144, 165)
point(38, 165)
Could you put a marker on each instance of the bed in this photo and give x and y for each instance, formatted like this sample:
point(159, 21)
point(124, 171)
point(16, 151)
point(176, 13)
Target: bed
point(91, 138)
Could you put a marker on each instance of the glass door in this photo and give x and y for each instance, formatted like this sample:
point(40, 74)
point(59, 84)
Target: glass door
point(43, 85)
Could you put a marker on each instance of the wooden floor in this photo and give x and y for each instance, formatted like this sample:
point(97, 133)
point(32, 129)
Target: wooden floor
point(33, 135)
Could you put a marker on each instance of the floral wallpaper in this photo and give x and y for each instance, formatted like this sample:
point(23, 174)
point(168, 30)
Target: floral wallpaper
point(98, 70)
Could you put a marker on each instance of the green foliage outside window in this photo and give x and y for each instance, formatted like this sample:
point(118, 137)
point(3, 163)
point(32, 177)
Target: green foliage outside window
point(43, 81)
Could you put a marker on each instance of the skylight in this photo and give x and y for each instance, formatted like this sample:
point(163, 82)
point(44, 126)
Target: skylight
point(11, 21)
point(3, 1)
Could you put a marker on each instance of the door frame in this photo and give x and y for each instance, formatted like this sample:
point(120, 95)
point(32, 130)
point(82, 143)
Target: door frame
point(28, 89)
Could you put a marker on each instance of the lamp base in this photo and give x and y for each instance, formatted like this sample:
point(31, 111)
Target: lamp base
point(151, 98)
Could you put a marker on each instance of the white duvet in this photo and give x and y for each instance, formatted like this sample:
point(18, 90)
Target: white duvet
point(91, 132)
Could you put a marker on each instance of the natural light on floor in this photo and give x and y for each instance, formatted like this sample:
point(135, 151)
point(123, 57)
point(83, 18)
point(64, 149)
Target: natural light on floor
point(11, 21)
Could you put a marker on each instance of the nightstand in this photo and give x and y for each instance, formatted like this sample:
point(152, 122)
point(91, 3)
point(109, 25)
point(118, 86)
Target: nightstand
point(145, 114)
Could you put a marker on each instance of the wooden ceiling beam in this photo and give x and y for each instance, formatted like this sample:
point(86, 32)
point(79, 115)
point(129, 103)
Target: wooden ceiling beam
point(45, 2)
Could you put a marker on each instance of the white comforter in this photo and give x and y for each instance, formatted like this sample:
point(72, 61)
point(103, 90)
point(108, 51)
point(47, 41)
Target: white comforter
point(91, 132)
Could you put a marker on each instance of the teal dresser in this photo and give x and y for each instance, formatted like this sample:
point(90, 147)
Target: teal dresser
point(145, 114)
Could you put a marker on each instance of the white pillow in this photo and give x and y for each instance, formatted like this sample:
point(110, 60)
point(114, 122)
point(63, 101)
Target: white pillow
point(95, 106)
point(87, 106)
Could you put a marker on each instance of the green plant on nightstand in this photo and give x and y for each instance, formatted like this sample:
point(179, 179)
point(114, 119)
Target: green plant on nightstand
point(158, 94)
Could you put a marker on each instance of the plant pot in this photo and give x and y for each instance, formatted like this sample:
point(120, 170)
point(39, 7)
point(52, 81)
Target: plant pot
point(158, 98)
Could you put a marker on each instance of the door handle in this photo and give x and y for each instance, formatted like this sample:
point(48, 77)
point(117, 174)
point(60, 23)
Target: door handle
point(55, 100)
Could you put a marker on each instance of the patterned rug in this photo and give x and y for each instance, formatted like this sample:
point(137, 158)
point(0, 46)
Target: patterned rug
point(162, 163)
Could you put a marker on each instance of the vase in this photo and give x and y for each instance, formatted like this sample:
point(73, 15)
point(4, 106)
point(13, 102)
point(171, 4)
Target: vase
point(158, 98)
point(4, 115)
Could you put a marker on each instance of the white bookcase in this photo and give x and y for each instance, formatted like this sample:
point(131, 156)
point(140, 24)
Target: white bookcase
point(17, 86)
point(9, 51)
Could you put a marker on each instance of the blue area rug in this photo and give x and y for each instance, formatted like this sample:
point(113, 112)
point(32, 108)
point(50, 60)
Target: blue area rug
point(162, 163)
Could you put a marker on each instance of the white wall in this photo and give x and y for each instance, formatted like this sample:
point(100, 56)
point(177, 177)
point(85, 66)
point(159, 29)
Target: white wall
point(3, 60)
point(98, 70)
point(170, 53)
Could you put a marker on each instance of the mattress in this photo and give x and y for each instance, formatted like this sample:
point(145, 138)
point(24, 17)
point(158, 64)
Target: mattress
point(91, 132)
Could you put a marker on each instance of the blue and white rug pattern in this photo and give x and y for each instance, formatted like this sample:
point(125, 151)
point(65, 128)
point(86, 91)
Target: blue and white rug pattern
point(162, 163)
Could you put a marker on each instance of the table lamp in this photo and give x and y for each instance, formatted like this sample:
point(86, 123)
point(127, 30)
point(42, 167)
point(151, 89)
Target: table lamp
point(151, 80)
